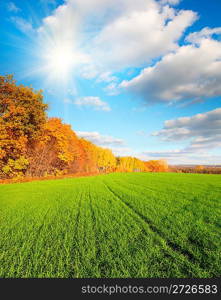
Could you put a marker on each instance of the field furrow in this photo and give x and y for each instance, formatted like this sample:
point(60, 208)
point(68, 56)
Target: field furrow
point(168, 243)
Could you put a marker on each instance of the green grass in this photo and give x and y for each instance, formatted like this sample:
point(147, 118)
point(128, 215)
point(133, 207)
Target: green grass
point(116, 225)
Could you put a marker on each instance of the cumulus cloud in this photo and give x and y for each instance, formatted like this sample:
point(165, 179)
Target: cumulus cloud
point(99, 139)
point(192, 72)
point(203, 131)
point(113, 36)
point(205, 33)
point(94, 102)
point(136, 38)
point(102, 38)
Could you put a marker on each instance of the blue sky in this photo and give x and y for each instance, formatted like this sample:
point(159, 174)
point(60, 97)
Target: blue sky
point(140, 77)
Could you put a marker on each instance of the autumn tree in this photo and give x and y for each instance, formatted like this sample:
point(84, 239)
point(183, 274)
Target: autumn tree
point(106, 161)
point(33, 145)
point(130, 164)
point(22, 117)
point(90, 155)
point(97, 159)
point(157, 165)
point(57, 151)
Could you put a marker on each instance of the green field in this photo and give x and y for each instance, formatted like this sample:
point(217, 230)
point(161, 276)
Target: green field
point(116, 225)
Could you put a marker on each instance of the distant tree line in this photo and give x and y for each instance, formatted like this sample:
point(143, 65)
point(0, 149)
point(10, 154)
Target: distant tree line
point(199, 169)
point(33, 145)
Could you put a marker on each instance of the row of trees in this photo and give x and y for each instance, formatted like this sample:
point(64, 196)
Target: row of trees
point(199, 169)
point(33, 145)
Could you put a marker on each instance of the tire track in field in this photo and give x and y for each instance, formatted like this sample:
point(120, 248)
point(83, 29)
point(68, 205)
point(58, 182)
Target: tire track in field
point(189, 204)
point(173, 246)
point(153, 195)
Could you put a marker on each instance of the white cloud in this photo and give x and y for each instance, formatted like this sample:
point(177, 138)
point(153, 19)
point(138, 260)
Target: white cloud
point(136, 38)
point(202, 130)
point(11, 7)
point(106, 36)
point(205, 33)
point(97, 38)
point(100, 140)
point(192, 72)
point(94, 102)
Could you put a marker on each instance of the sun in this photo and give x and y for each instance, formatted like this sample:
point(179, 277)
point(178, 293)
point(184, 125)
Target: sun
point(59, 58)
point(59, 61)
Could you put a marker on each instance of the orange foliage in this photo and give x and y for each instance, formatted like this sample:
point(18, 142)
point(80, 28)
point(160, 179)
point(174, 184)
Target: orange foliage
point(56, 151)
point(89, 155)
point(22, 116)
point(34, 146)
point(157, 165)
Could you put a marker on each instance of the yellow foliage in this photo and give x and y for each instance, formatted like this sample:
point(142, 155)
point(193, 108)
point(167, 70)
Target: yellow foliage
point(15, 167)
point(33, 145)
